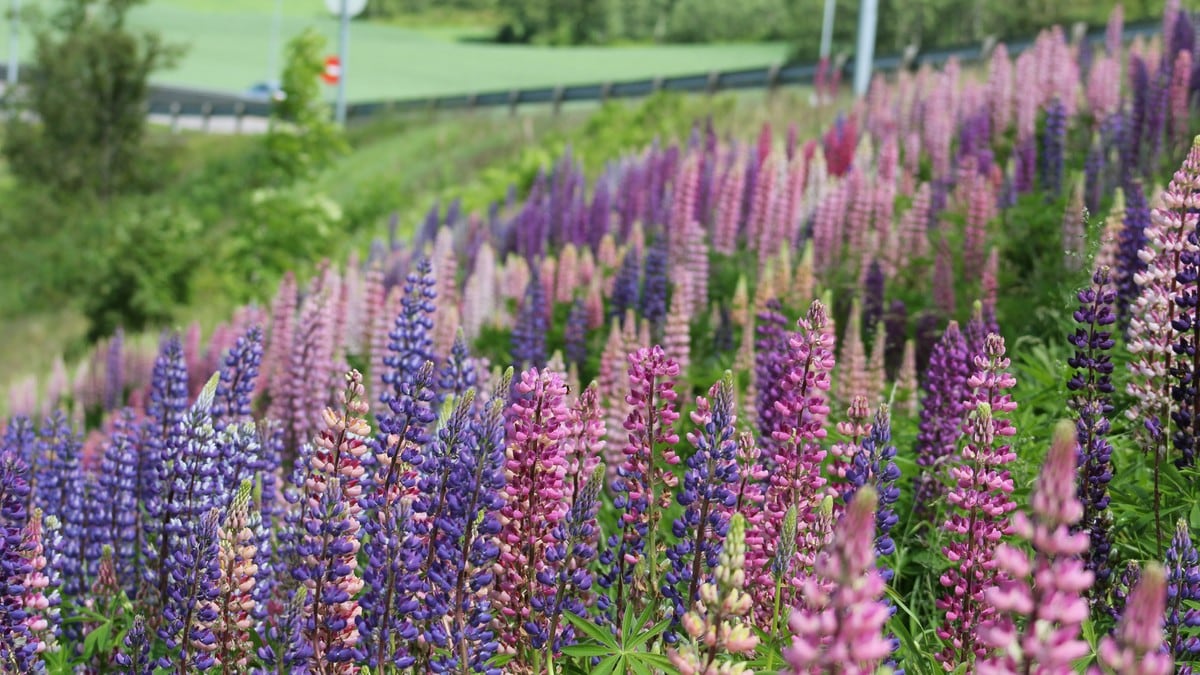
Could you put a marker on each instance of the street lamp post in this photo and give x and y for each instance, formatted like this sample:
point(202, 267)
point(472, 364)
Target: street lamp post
point(343, 53)
point(864, 55)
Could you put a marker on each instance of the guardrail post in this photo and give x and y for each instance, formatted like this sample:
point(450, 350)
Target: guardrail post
point(714, 82)
point(433, 106)
point(605, 91)
point(514, 97)
point(1078, 32)
point(239, 113)
point(909, 56)
point(559, 91)
point(175, 108)
point(472, 102)
point(985, 50)
point(773, 79)
point(656, 85)
point(206, 111)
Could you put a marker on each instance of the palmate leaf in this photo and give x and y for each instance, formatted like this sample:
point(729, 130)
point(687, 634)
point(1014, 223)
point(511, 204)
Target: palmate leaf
point(584, 651)
point(593, 631)
point(643, 638)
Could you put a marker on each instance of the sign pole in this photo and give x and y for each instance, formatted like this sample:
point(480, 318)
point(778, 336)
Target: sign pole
point(827, 29)
point(273, 74)
point(343, 52)
point(864, 56)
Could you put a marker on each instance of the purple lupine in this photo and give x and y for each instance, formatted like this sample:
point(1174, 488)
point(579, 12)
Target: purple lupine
point(943, 410)
point(874, 465)
point(458, 372)
point(1054, 141)
point(17, 645)
point(1091, 383)
point(165, 412)
point(770, 364)
point(1046, 591)
point(529, 333)
point(134, 658)
point(190, 610)
point(707, 496)
point(652, 303)
point(234, 397)
point(980, 501)
point(571, 553)
point(117, 499)
point(114, 371)
point(60, 489)
point(409, 342)
point(625, 286)
point(1140, 95)
point(1025, 158)
point(895, 325)
point(872, 300)
point(1132, 240)
point(1183, 597)
point(575, 333)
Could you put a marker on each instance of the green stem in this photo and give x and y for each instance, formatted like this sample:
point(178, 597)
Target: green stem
point(775, 622)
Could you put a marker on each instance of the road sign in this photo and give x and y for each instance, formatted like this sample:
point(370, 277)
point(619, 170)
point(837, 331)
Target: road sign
point(333, 70)
point(353, 7)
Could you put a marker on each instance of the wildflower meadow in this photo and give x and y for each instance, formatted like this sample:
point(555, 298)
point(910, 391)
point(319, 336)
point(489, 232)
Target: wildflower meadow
point(916, 395)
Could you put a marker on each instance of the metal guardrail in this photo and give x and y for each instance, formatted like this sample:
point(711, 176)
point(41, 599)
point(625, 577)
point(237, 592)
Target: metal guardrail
point(181, 101)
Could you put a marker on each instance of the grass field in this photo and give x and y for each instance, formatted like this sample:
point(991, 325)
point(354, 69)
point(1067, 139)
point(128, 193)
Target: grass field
point(229, 43)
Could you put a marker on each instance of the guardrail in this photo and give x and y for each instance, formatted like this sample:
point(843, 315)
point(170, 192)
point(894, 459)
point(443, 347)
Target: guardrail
point(176, 102)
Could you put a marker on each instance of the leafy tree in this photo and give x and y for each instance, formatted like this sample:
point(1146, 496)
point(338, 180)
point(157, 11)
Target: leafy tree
point(84, 131)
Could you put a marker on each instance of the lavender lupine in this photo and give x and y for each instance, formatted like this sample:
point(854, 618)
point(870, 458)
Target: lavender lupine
point(1136, 647)
point(1183, 597)
point(943, 410)
point(1045, 593)
point(714, 624)
point(980, 502)
point(707, 496)
point(1091, 383)
point(841, 627)
point(643, 480)
point(534, 504)
point(873, 465)
point(576, 333)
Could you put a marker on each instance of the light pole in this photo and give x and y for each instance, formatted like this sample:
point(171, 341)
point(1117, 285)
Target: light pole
point(273, 46)
point(864, 55)
point(14, 43)
point(827, 28)
point(343, 53)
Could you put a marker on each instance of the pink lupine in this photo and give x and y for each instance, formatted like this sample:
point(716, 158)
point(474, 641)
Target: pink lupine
point(683, 209)
point(989, 283)
point(566, 279)
point(841, 627)
point(279, 343)
point(714, 625)
point(696, 264)
point(585, 441)
point(913, 228)
point(480, 296)
point(1115, 29)
point(1000, 90)
point(594, 304)
point(237, 551)
point(860, 219)
point(829, 226)
point(613, 387)
point(906, 380)
point(981, 208)
point(796, 456)
point(853, 430)
point(607, 255)
point(729, 209)
point(38, 600)
point(876, 367)
point(804, 277)
point(677, 337)
point(535, 487)
point(1027, 105)
point(980, 501)
point(764, 189)
point(1104, 87)
point(852, 380)
point(1136, 648)
point(1047, 591)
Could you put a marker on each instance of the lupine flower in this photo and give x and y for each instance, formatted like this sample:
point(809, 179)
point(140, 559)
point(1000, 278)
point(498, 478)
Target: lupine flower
point(1045, 593)
point(1178, 214)
point(1053, 148)
point(1092, 383)
point(574, 548)
point(39, 597)
point(237, 551)
point(135, 659)
point(576, 333)
point(677, 339)
point(1136, 648)
point(770, 364)
point(643, 479)
point(653, 298)
point(117, 499)
point(190, 607)
point(707, 496)
point(114, 371)
point(1183, 596)
point(943, 410)
point(841, 626)
point(235, 388)
point(410, 344)
point(714, 625)
point(1132, 240)
point(534, 502)
point(529, 333)
point(873, 465)
point(980, 502)
point(625, 286)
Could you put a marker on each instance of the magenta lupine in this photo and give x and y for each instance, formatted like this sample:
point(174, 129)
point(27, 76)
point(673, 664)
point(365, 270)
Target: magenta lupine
point(795, 458)
point(714, 625)
point(1040, 605)
point(534, 491)
point(585, 441)
point(1136, 648)
point(644, 480)
point(980, 501)
point(841, 627)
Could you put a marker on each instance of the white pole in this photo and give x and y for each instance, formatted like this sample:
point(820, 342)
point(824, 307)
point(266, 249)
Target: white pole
point(14, 47)
point(343, 52)
point(827, 29)
point(273, 53)
point(864, 55)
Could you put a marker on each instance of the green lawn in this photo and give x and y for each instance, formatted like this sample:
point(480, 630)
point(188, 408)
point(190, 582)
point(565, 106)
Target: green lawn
point(230, 39)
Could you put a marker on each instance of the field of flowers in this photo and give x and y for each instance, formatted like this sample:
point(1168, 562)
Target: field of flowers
point(898, 397)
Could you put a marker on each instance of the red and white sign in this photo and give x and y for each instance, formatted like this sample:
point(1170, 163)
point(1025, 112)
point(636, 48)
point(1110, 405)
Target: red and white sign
point(333, 70)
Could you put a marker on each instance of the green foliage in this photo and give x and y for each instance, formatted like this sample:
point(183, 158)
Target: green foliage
point(631, 650)
point(721, 21)
point(302, 139)
point(84, 131)
point(143, 270)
